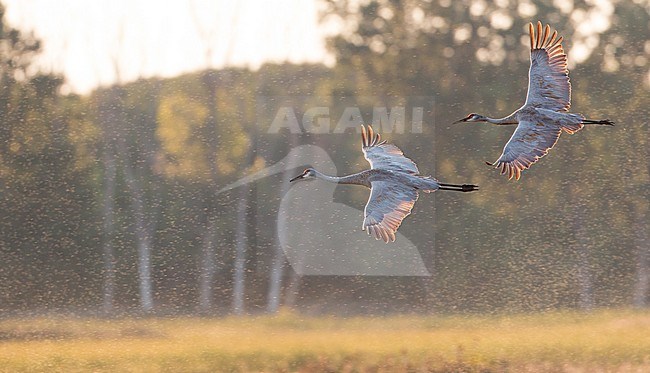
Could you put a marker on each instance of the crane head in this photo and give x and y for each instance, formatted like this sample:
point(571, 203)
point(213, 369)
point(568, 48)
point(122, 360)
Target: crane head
point(307, 174)
point(473, 117)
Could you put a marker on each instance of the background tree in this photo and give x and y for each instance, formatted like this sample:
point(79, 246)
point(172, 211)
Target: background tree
point(46, 219)
point(85, 180)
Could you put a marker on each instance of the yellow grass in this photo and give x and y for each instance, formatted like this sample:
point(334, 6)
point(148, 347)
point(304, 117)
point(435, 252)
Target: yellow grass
point(612, 340)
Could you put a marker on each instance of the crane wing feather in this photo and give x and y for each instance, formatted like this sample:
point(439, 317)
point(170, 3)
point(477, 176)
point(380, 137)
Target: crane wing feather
point(388, 205)
point(384, 156)
point(530, 141)
point(548, 77)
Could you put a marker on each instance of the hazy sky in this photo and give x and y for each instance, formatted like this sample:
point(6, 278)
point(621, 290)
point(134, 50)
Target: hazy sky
point(87, 39)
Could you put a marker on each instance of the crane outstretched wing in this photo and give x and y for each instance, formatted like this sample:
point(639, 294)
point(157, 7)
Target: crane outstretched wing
point(530, 141)
point(548, 77)
point(384, 156)
point(388, 205)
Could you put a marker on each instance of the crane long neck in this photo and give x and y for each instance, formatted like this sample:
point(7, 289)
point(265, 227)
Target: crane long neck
point(510, 119)
point(349, 179)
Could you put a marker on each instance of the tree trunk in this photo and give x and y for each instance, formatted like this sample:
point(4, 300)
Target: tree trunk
point(208, 267)
point(143, 234)
point(108, 117)
point(275, 281)
point(241, 244)
point(277, 268)
point(207, 264)
point(581, 247)
point(278, 262)
point(241, 234)
point(642, 283)
point(108, 217)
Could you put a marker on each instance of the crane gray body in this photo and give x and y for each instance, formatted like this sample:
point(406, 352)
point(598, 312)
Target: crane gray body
point(394, 183)
point(366, 177)
point(544, 116)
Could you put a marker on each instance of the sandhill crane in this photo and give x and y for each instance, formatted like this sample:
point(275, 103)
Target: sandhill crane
point(545, 113)
point(394, 182)
point(334, 249)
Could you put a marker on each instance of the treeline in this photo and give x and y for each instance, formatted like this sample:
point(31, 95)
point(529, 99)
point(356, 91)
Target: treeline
point(112, 202)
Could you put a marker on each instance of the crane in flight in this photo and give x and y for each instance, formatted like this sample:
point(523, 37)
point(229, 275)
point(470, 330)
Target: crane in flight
point(394, 182)
point(544, 115)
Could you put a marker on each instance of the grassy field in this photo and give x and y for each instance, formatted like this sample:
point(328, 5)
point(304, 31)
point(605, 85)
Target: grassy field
point(611, 340)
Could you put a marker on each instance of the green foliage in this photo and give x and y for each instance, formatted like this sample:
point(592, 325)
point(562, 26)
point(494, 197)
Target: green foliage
point(47, 220)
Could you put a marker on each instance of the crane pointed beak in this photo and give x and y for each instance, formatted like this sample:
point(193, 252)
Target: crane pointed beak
point(466, 119)
point(297, 178)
